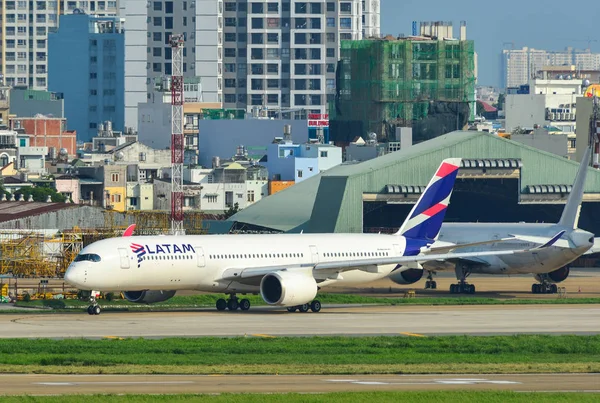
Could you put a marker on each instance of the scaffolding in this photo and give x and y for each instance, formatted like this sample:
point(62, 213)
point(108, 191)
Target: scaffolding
point(47, 253)
point(387, 83)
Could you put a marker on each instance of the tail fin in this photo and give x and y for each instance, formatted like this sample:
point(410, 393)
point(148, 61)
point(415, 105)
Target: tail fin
point(426, 217)
point(570, 215)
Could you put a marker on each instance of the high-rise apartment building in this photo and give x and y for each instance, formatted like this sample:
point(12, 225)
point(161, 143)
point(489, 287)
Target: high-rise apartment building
point(148, 26)
point(86, 64)
point(521, 65)
point(24, 36)
point(282, 55)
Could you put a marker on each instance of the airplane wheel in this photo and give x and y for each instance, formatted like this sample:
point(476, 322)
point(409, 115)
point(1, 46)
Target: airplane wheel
point(533, 288)
point(427, 284)
point(433, 285)
point(291, 309)
point(315, 306)
point(554, 288)
point(472, 289)
point(96, 310)
point(452, 288)
point(232, 304)
point(303, 308)
point(221, 304)
point(89, 310)
point(244, 304)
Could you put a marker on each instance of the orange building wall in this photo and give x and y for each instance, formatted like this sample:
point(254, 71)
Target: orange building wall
point(47, 133)
point(278, 186)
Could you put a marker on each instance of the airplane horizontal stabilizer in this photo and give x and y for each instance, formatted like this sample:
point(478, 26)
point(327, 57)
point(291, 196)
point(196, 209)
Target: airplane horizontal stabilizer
point(545, 241)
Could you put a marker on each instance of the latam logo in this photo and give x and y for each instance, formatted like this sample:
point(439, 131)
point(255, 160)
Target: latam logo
point(165, 248)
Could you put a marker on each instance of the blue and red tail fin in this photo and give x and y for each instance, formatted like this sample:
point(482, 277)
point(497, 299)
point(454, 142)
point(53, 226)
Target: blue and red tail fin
point(427, 215)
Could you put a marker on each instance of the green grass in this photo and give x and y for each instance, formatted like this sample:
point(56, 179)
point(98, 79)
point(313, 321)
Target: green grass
point(347, 397)
point(209, 300)
point(311, 355)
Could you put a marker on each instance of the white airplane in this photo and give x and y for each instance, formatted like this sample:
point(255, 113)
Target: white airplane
point(287, 270)
point(549, 266)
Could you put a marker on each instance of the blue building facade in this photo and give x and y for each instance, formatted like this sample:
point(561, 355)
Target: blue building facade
point(296, 162)
point(86, 62)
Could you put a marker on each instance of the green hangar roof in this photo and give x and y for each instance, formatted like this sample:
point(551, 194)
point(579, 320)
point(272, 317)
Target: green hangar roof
point(333, 201)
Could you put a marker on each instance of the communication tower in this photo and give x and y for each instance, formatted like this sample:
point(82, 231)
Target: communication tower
point(177, 151)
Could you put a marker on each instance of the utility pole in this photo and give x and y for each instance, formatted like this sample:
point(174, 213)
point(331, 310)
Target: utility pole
point(177, 147)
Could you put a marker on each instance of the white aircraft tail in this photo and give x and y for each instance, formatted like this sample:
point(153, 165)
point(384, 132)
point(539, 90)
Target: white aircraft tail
point(570, 215)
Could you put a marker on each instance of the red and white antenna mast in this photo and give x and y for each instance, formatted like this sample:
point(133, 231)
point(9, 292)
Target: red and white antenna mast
point(177, 151)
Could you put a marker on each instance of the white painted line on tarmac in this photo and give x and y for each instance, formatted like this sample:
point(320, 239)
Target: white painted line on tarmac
point(111, 383)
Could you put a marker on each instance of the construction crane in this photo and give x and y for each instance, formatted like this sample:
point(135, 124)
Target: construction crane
point(177, 150)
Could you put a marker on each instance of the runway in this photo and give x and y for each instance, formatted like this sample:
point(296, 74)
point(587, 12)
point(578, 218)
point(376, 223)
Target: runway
point(169, 384)
point(357, 321)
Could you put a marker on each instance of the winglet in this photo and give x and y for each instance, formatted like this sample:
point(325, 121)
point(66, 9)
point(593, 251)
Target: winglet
point(570, 215)
point(425, 219)
point(552, 240)
point(129, 230)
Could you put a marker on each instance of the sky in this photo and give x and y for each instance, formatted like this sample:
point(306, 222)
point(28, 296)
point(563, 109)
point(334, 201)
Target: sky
point(491, 24)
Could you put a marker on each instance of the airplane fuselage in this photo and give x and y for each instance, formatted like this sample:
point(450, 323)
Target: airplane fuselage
point(534, 262)
point(199, 262)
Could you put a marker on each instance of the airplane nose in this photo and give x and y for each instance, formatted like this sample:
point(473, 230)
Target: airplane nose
point(74, 276)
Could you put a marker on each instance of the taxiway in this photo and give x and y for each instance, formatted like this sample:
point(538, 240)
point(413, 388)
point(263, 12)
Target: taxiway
point(342, 320)
point(37, 384)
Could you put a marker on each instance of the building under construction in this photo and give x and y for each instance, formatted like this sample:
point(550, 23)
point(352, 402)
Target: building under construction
point(424, 81)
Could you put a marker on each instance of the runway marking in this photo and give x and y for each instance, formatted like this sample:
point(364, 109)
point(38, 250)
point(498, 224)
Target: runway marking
point(113, 337)
point(266, 336)
point(451, 381)
point(412, 334)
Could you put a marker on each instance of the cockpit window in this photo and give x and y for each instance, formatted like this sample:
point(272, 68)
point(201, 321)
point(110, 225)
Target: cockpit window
point(90, 257)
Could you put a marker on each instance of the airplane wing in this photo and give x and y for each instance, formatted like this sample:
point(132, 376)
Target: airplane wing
point(449, 248)
point(371, 263)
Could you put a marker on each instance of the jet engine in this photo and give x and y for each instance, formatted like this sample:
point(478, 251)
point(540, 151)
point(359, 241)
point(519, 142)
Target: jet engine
point(285, 288)
point(555, 276)
point(409, 276)
point(148, 297)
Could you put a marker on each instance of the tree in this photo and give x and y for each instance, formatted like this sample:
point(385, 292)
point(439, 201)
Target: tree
point(480, 109)
point(232, 210)
point(40, 194)
point(500, 104)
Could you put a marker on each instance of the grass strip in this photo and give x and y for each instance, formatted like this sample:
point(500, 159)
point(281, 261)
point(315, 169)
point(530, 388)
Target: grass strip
point(209, 300)
point(306, 369)
point(346, 397)
point(310, 355)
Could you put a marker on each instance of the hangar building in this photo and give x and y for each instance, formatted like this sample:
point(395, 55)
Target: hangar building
point(499, 181)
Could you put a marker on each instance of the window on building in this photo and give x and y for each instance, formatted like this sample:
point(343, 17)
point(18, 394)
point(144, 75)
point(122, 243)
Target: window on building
point(257, 8)
point(299, 173)
point(345, 23)
point(345, 7)
point(257, 23)
point(251, 195)
point(157, 52)
point(324, 154)
point(158, 6)
point(114, 177)
point(330, 6)
point(230, 6)
point(331, 22)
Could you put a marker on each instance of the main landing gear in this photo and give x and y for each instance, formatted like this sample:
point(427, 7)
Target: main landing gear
point(233, 303)
point(544, 288)
point(430, 283)
point(94, 308)
point(314, 306)
point(462, 287)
